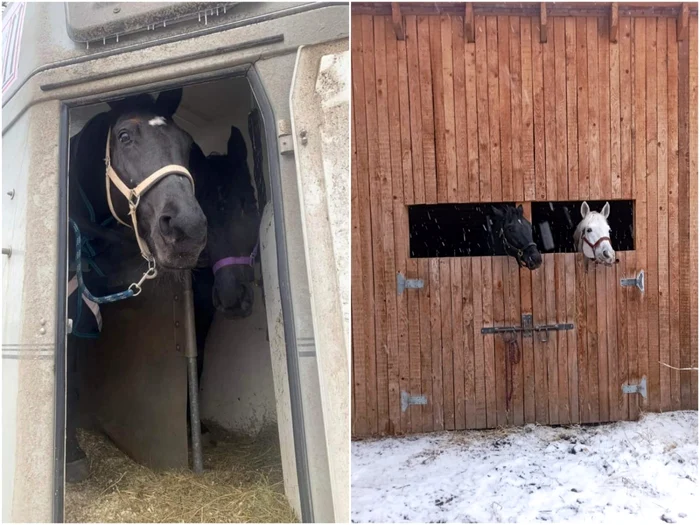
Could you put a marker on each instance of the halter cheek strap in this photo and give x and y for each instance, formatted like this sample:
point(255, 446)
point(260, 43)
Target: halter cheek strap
point(519, 252)
point(133, 196)
point(234, 261)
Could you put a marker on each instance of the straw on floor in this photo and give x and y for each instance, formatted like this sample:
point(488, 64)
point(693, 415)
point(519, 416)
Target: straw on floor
point(242, 482)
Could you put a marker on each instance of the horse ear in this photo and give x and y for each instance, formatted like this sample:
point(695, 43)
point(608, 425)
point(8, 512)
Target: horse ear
point(606, 210)
point(585, 209)
point(520, 210)
point(168, 102)
point(497, 212)
point(236, 148)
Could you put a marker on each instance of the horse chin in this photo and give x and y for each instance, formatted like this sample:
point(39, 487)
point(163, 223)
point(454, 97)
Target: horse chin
point(178, 261)
point(235, 313)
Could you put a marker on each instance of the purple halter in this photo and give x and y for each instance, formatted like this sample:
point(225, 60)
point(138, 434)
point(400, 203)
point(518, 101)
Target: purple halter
point(232, 261)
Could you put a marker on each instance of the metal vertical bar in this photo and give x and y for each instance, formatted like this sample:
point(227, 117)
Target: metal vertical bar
point(193, 384)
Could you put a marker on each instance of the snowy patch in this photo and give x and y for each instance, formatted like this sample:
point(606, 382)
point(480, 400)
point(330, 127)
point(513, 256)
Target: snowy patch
point(157, 121)
point(646, 470)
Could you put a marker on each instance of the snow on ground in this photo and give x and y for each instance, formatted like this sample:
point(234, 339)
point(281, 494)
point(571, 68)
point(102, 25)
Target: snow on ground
point(645, 470)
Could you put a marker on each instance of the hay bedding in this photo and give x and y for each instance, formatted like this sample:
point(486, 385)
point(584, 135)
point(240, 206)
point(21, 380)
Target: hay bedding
point(242, 482)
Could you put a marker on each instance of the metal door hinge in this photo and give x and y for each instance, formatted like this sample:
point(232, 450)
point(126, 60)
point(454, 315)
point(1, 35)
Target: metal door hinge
point(402, 283)
point(634, 281)
point(407, 400)
point(641, 388)
point(69, 326)
point(284, 136)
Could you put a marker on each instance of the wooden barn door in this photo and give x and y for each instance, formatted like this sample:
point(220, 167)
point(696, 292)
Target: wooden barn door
point(438, 118)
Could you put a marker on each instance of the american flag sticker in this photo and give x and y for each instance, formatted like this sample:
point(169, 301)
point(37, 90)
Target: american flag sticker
point(12, 24)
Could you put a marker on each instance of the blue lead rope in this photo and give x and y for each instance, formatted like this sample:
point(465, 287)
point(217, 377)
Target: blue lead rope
point(126, 294)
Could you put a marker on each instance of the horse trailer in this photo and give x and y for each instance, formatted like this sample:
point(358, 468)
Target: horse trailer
point(462, 107)
point(278, 73)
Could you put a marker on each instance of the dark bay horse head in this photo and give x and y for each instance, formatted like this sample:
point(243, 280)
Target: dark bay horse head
point(143, 139)
point(227, 197)
point(515, 233)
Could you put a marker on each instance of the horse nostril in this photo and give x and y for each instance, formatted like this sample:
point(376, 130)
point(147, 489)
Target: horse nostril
point(165, 224)
point(606, 254)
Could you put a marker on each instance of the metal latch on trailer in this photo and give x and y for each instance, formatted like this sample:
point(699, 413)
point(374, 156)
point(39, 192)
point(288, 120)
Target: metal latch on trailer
point(408, 400)
point(634, 281)
point(527, 328)
point(402, 283)
point(641, 388)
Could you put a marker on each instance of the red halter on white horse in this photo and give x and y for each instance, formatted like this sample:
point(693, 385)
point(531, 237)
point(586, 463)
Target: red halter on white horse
point(592, 235)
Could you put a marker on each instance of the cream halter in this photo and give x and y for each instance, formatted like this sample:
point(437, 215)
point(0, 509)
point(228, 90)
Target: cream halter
point(133, 196)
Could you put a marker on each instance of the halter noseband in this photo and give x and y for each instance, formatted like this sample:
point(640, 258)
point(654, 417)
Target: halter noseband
point(133, 196)
point(234, 261)
point(595, 246)
point(519, 252)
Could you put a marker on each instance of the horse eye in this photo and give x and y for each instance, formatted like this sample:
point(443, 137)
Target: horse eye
point(589, 230)
point(124, 137)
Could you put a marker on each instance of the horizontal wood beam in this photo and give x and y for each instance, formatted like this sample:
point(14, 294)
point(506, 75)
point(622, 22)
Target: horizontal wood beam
point(530, 9)
point(397, 21)
point(614, 22)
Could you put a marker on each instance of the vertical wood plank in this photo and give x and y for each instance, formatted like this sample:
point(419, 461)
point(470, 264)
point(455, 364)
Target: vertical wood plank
point(603, 353)
point(482, 108)
point(460, 110)
point(562, 336)
point(592, 336)
point(439, 104)
point(582, 341)
point(562, 174)
point(693, 154)
point(626, 164)
point(652, 296)
point(452, 194)
point(516, 106)
point(376, 267)
point(361, 240)
point(426, 105)
point(414, 95)
point(571, 112)
point(401, 372)
point(640, 186)
point(527, 127)
point(539, 316)
point(662, 230)
point(476, 177)
point(550, 118)
point(622, 346)
point(632, 298)
point(673, 230)
point(489, 351)
point(539, 115)
point(494, 108)
point(387, 360)
point(459, 349)
point(593, 108)
point(613, 387)
point(426, 346)
point(551, 344)
point(604, 104)
point(436, 339)
point(479, 350)
point(582, 107)
point(499, 318)
point(571, 337)
point(447, 346)
point(684, 216)
point(615, 120)
point(515, 410)
point(466, 327)
point(504, 89)
point(528, 351)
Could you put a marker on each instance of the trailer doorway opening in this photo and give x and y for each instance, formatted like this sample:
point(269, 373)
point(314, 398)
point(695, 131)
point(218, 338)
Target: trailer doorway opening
point(131, 382)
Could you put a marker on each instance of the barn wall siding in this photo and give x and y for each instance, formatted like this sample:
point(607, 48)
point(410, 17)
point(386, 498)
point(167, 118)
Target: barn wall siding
point(437, 119)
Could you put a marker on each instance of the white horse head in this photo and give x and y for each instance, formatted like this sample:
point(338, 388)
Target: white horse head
point(592, 235)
